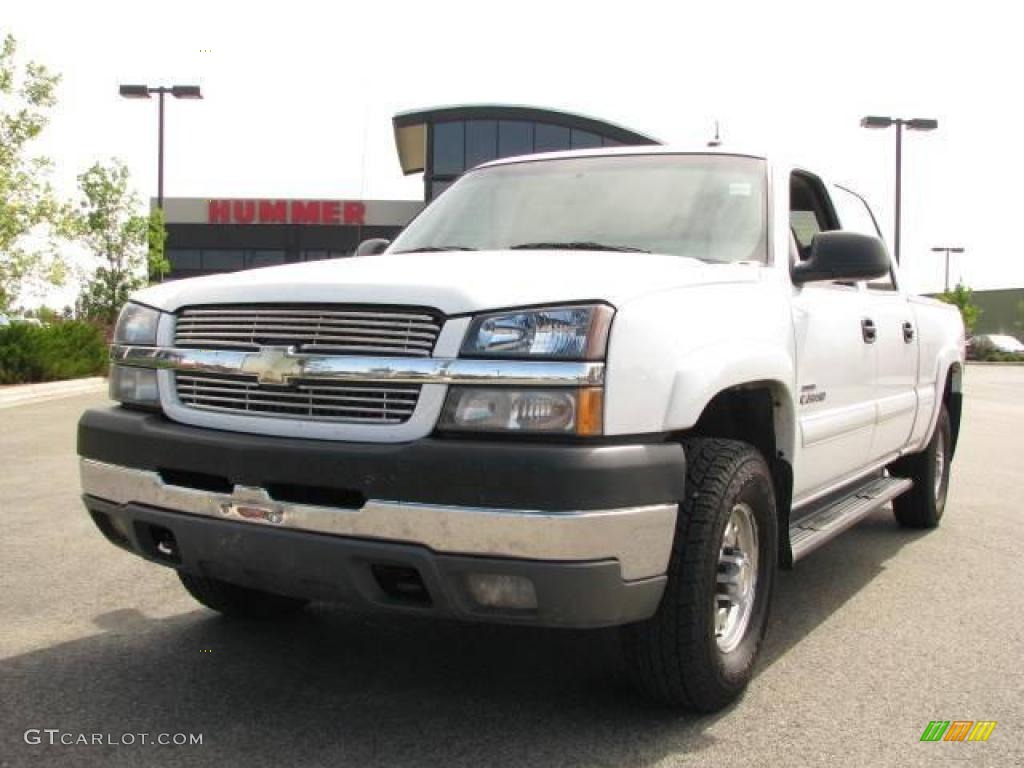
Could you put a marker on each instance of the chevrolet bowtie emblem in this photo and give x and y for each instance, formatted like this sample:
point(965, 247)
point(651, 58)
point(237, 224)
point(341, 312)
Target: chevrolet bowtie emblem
point(274, 365)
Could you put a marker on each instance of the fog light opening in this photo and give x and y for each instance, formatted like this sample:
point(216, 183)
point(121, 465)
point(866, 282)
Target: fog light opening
point(162, 544)
point(401, 584)
point(498, 590)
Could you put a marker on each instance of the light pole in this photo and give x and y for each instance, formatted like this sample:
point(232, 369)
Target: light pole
point(912, 124)
point(143, 92)
point(947, 250)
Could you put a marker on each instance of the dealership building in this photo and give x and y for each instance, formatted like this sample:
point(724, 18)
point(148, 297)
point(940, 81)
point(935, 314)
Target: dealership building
point(209, 235)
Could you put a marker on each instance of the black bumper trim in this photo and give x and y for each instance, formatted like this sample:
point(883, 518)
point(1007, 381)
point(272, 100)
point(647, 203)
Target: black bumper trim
point(513, 475)
point(339, 569)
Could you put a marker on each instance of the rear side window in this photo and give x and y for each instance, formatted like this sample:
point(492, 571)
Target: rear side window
point(856, 216)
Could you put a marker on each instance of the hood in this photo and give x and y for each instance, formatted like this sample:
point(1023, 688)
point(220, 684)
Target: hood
point(454, 282)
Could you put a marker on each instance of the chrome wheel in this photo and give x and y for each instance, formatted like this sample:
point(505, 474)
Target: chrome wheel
point(737, 578)
point(940, 463)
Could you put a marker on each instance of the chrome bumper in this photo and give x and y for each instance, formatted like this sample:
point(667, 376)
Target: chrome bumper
point(639, 538)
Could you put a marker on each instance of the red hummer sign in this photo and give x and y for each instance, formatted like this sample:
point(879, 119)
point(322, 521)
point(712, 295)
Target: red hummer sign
point(327, 212)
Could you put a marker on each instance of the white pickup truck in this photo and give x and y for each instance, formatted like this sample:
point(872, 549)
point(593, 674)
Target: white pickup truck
point(584, 389)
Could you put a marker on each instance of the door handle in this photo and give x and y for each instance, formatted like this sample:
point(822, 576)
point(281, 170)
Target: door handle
point(868, 330)
point(908, 332)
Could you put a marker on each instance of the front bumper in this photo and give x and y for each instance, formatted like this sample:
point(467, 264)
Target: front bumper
point(590, 526)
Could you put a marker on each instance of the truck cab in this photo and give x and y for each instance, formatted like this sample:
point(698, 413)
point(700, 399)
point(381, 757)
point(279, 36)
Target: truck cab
point(614, 387)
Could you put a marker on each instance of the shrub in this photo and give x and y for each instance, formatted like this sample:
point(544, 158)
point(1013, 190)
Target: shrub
point(985, 351)
point(30, 353)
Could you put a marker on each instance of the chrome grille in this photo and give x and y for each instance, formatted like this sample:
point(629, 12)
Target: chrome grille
point(308, 400)
point(335, 330)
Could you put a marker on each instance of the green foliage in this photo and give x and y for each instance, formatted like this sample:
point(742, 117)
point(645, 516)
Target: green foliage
point(30, 215)
point(67, 350)
point(1018, 323)
point(49, 315)
point(962, 298)
point(985, 351)
point(120, 239)
point(156, 239)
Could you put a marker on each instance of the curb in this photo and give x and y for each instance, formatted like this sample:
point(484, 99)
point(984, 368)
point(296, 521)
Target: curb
point(23, 394)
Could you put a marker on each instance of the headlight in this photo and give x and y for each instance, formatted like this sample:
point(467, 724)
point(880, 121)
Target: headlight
point(134, 386)
point(137, 325)
point(550, 411)
point(567, 333)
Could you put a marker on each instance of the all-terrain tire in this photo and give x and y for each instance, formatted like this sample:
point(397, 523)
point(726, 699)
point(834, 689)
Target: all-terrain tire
point(676, 657)
point(922, 506)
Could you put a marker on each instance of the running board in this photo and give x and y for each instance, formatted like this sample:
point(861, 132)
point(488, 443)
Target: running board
point(824, 524)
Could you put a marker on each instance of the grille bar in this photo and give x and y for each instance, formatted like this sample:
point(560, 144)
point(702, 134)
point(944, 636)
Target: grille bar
point(259, 311)
point(398, 332)
point(321, 336)
point(312, 401)
point(323, 330)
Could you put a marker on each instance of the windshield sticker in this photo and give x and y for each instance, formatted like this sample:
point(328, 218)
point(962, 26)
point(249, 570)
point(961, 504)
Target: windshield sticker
point(739, 189)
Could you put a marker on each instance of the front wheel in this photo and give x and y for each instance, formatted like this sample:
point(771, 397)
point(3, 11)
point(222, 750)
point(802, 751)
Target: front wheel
point(698, 650)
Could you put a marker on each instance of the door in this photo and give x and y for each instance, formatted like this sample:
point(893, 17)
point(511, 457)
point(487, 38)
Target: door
point(895, 339)
point(836, 361)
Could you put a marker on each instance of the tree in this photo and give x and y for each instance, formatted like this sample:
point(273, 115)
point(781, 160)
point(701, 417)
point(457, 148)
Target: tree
point(961, 297)
point(156, 238)
point(110, 226)
point(27, 201)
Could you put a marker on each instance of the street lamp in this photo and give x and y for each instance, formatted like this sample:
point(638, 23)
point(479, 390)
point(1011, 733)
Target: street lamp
point(143, 92)
point(947, 250)
point(913, 124)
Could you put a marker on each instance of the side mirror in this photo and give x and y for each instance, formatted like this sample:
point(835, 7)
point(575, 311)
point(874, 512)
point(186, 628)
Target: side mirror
point(843, 256)
point(372, 247)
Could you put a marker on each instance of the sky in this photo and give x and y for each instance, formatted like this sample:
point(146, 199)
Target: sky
point(298, 97)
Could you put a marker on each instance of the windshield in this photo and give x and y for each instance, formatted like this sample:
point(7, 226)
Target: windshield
point(708, 207)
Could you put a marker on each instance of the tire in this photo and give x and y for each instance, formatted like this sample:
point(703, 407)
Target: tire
point(239, 602)
point(922, 506)
point(677, 657)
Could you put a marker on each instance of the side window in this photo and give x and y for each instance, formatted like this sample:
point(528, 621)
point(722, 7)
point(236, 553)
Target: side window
point(809, 211)
point(856, 216)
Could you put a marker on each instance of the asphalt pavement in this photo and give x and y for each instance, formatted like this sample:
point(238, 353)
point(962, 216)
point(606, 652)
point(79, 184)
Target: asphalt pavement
point(871, 637)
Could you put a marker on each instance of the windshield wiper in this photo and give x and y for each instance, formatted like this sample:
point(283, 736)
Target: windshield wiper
point(576, 245)
point(432, 248)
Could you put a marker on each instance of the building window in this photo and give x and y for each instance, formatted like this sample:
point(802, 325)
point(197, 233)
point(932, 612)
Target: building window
point(481, 141)
point(223, 260)
point(184, 259)
point(550, 138)
point(584, 139)
point(314, 255)
point(264, 259)
point(438, 186)
point(515, 137)
point(449, 148)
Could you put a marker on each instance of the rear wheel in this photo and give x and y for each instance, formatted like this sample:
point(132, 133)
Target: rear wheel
point(922, 506)
point(242, 602)
point(698, 650)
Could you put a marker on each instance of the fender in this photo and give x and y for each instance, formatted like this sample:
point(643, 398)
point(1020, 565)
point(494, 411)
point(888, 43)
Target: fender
point(949, 357)
point(712, 369)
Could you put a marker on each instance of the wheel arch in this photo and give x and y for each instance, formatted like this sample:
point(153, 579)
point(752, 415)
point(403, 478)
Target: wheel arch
point(760, 413)
point(953, 399)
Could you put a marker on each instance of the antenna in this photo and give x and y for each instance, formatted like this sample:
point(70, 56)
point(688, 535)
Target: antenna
point(717, 141)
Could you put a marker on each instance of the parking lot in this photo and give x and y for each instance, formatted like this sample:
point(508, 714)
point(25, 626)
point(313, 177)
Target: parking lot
point(871, 637)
